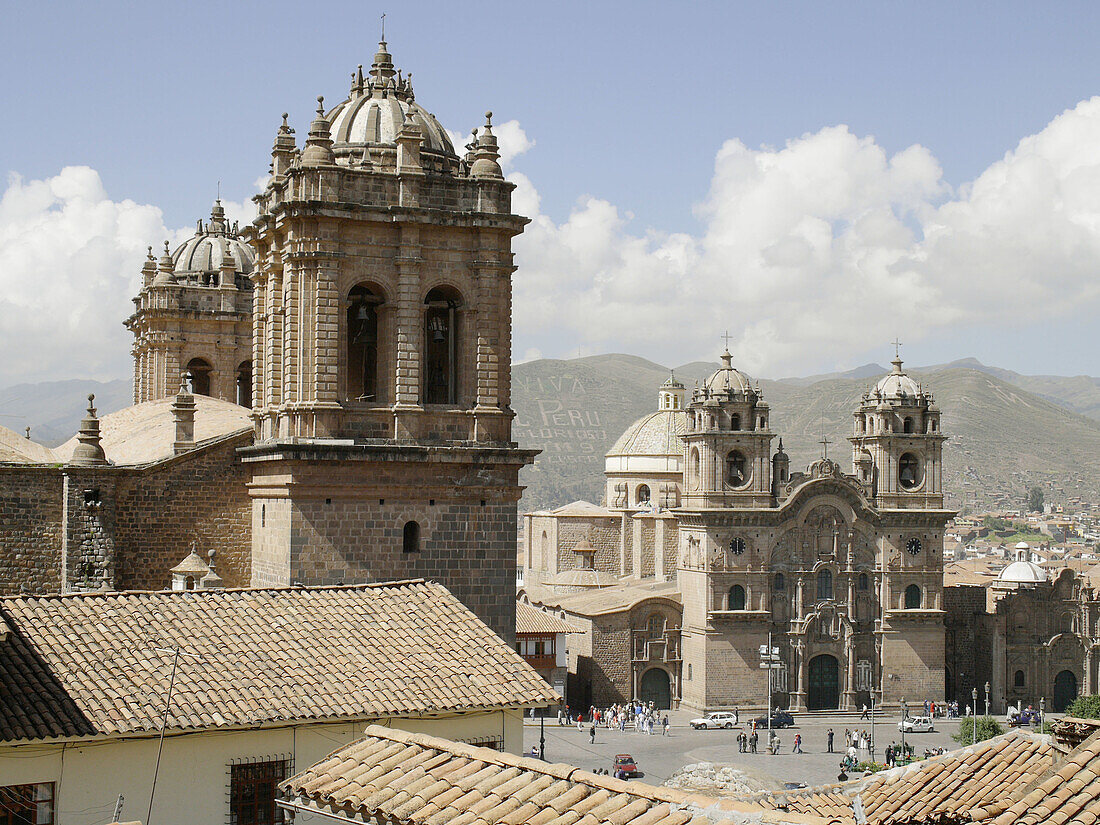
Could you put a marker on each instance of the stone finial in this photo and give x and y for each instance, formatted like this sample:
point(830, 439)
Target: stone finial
point(282, 153)
point(409, 140)
point(149, 268)
point(165, 269)
point(183, 416)
point(89, 452)
point(318, 148)
point(487, 154)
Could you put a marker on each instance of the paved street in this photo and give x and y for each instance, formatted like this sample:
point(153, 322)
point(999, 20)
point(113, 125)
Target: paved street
point(659, 757)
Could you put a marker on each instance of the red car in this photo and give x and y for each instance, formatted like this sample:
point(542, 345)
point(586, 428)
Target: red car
point(625, 765)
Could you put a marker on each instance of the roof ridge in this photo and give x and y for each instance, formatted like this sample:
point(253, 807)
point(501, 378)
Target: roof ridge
point(93, 594)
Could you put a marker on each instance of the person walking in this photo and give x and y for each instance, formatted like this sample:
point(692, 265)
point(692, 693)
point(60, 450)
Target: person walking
point(666, 725)
point(829, 734)
point(753, 739)
point(797, 743)
point(592, 734)
point(865, 714)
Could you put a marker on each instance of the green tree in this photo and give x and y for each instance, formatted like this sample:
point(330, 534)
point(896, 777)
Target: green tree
point(1035, 499)
point(1085, 707)
point(988, 727)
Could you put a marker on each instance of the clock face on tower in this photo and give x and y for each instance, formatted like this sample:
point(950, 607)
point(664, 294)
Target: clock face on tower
point(913, 546)
point(737, 545)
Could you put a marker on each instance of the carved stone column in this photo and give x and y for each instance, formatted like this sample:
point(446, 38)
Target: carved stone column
point(798, 698)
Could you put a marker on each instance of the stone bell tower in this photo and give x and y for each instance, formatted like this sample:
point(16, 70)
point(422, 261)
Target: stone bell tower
point(382, 328)
point(897, 445)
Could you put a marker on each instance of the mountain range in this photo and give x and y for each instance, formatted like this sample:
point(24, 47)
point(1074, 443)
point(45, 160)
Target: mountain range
point(1007, 431)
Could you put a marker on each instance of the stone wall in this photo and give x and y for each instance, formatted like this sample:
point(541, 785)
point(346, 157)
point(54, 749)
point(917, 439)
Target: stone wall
point(88, 552)
point(199, 497)
point(31, 504)
point(605, 674)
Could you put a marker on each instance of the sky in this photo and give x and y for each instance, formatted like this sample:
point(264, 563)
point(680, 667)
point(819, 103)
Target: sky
point(816, 178)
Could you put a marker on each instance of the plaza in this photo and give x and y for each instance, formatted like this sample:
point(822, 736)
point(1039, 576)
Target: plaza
point(659, 757)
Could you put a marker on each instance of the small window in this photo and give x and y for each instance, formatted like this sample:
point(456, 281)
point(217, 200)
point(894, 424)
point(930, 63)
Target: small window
point(27, 804)
point(735, 422)
point(189, 583)
point(1018, 680)
point(779, 582)
point(912, 597)
point(864, 582)
point(642, 495)
point(737, 597)
point(410, 537)
point(656, 625)
point(252, 791)
point(824, 585)
point(694, 466)
point(907, 425)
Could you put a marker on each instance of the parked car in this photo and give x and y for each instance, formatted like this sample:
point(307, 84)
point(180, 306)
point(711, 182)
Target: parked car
point(625, 765)
point(718, 719)
point(780, 719)
point(916, 724)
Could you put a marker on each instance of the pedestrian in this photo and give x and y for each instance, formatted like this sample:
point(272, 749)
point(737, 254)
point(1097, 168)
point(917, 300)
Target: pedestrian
point(740, 742)
point(592, 734)
point(666, 725)
point(797, 743)
point(865, 714)
point(736, 716)
point(830, 736)
point(580, 722)
point(753, 739)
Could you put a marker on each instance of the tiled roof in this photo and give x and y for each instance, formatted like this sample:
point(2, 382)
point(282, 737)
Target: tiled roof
point(532, 620)
point(1069, 793)
point(84, 664)
point(955, 783)
point(146, 432)
point(947, 788)
point(403, 777)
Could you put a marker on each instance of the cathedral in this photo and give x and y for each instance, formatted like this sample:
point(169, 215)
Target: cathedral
point(709, 558)
point(320, 397)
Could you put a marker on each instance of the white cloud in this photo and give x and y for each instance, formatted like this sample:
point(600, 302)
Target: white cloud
point(809, 253)
point(70, 260)
point(813, 252)
point(512, 141)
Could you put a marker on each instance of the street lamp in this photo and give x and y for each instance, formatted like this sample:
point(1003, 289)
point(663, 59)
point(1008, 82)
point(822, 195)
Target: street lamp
point(904, 716)
point(974, 718)
point(987, 698)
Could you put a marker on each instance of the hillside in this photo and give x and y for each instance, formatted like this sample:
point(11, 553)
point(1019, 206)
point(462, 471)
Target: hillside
point(1008, 431)
point(1003, 438)
point(53, 409)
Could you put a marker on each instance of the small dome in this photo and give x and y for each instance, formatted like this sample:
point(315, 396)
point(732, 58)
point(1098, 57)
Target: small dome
point(656, 434)
point(1023, 545)
point(1022, 572)
point(728, 379)
point(206, 251)
point(897, 386)
point(375, 111)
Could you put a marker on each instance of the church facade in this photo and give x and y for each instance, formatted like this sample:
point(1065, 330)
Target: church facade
point(709, 549)
point(331, 384)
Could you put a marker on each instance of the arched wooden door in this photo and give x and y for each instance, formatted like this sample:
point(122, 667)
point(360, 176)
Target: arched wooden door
point(1065, 690)
point(656, 687)
point(824, 692)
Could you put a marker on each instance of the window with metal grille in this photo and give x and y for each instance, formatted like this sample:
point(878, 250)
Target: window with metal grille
point(252, 790)
point(27, 804)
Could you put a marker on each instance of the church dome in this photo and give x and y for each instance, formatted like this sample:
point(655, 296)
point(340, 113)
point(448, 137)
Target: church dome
point(897, 386)
point(727, 379)
point(376, 108)
point(206, 251)
point(656, 434)
point(1022, 572)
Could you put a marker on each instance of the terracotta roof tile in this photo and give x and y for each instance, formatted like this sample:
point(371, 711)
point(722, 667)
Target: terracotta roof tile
point(83, 664)
point(532, 620)
point(403, 777)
